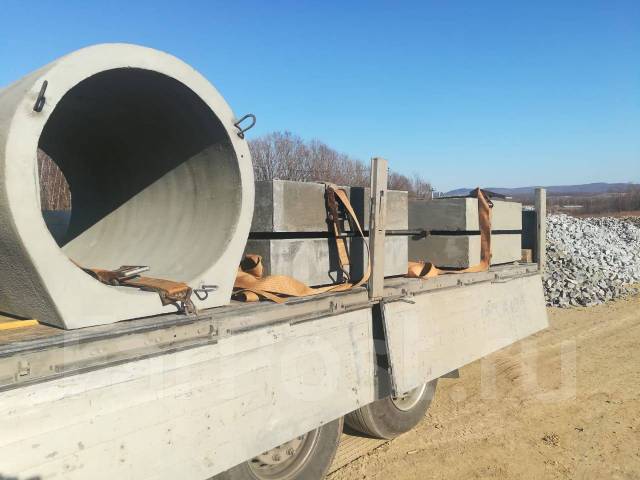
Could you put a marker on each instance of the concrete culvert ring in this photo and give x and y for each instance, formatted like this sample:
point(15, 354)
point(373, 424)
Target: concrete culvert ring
point(157, 174)
point(141, 152)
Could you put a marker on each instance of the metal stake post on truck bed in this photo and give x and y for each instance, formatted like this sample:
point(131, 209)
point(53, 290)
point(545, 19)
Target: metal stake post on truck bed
point(377, 226)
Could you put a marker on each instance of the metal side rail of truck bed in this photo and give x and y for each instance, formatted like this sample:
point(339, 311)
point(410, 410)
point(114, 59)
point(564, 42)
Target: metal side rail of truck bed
point(191, 396)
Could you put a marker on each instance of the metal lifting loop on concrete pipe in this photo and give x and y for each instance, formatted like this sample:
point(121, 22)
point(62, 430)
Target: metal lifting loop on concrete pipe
point(157, 173)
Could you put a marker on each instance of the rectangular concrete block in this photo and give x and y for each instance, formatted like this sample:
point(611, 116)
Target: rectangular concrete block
point(314, 261)
point(396, 256)
point(462, 251)
point(288, 206)
point(461, 214)
point(458, 215)
point(397, 207)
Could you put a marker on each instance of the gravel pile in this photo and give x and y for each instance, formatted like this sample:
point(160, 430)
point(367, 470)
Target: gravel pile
point(590, 260)
point(633, 220)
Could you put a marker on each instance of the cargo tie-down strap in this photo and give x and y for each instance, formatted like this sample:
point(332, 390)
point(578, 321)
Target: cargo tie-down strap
point(428, 270)
point(250, 285)
point(170, 292)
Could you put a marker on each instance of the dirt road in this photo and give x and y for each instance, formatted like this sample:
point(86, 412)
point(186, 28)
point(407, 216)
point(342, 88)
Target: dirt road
point(563, 404)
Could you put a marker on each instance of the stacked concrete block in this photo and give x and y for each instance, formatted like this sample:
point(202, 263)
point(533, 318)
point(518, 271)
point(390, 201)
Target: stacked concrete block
point(396, 256)
point(454, 232)
point(313, 261)
point(287, 206)
point(290, 232)
point(397, 205)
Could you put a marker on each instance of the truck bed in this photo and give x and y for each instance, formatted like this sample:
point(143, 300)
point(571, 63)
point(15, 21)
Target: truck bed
point(191, 396)
point(42, 352)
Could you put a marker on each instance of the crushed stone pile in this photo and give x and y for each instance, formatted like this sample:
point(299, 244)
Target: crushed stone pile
point(633, 220)
point(590, 260)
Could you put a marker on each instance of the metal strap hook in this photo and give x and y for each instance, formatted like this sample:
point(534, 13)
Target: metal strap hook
point(39, 105)
point(203, 292)
point(242, 130)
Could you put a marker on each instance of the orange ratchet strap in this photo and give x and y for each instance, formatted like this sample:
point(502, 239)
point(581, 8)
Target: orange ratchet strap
point(170, 292)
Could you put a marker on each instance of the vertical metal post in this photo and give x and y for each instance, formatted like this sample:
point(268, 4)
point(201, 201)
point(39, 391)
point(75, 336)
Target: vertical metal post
point(541, 227)
point(377, 226)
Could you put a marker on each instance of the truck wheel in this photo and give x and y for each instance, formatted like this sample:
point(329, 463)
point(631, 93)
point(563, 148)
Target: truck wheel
point(391, 416)
point(307, 457)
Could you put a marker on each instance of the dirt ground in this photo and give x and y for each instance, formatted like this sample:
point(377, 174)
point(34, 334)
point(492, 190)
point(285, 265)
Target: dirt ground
point(564, 403)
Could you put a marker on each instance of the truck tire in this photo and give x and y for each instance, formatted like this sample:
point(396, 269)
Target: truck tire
point(389, 417)
point(307, 457)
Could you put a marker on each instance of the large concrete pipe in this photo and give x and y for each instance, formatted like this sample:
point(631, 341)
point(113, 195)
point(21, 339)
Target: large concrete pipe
point(158, 177)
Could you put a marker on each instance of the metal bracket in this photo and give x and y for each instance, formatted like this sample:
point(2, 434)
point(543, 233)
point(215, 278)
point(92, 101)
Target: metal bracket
point(41, 100)
point(203, 292)
point(251, 125)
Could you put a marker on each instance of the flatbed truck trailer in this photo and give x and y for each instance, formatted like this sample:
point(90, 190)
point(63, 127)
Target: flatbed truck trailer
point(248, 390)
point(236, 390)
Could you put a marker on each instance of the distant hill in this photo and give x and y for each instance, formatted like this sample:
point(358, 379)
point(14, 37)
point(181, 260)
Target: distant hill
point(584, 189)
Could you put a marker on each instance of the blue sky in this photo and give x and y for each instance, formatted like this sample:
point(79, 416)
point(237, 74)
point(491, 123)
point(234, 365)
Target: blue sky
point(466, 93)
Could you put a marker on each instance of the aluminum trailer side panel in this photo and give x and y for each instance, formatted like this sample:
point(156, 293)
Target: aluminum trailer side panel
point(195, 412)
point(455, 327)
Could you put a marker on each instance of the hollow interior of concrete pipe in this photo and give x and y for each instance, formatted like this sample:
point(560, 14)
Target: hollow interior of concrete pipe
point(153, 176)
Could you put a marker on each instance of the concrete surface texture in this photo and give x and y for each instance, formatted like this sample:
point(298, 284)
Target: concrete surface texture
point(397, 207)
point(314, 261)
point(289, 206)
point(157, 173)
point(462, 251)
point(460, 215)
point(396, 256)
